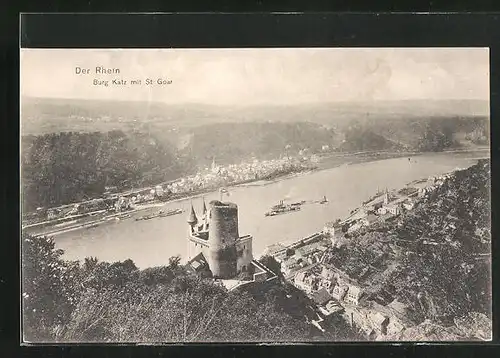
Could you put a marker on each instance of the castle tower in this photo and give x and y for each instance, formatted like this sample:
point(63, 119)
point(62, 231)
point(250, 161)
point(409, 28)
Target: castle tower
point(217, 240)
point(222, 238)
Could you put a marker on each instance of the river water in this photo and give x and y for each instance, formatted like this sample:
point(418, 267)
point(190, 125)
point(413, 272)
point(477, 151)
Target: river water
point(151, 242)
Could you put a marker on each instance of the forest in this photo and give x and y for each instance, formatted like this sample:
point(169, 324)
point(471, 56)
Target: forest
point(447, 272)
point(61, 168)
point(93, 301)
point(66, 167)
point(442, 267)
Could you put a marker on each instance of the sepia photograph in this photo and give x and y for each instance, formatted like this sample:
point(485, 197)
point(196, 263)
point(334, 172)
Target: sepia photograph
point(255, 195)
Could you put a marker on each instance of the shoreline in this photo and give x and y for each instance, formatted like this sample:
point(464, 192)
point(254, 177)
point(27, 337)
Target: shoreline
point(287, 244)
point(259, 183)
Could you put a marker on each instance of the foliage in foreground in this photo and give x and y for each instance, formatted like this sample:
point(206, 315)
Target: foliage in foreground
point(99, 301)
point(436, 258)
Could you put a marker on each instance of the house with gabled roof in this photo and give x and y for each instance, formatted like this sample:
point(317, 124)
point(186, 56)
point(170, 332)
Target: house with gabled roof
point(339, 292)
point(353, 294)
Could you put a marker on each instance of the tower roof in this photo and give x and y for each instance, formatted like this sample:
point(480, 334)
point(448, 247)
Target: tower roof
point(192, 219)
point(204, 207)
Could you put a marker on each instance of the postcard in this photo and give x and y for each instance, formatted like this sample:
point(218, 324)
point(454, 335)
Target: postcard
point(255, 195)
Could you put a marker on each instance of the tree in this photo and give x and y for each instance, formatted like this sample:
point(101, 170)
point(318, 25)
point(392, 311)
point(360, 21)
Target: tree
point(271, 263)
point(49, 294)
point(173, 262)
point(188, 309)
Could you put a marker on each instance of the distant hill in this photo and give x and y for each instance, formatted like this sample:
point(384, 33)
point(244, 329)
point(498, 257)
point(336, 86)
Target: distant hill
point(99, 143)
point(44, 115)
point(67, 167)
point(435, 258)
point(233, 142)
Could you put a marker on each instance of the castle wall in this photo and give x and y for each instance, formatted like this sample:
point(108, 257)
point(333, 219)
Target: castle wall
point(194, 248)
point(244, 254)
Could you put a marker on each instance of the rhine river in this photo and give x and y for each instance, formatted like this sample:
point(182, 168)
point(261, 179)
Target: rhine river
point(151, 242)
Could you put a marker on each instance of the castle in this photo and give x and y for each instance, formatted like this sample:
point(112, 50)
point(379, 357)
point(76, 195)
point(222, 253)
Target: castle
point(214, 241)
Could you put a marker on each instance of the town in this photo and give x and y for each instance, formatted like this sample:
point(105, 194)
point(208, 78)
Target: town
point(352, 290)
point(211, 178)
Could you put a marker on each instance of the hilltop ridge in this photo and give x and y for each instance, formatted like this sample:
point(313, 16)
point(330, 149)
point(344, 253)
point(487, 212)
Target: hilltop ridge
point(44, 115)
point(435, 259)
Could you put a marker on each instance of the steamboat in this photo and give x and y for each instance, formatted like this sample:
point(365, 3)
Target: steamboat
point(282, 208)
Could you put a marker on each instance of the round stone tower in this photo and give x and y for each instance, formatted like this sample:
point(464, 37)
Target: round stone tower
point(222, 236)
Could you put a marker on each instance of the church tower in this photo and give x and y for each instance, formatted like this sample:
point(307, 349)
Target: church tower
point(214, 166)
point(386, 197)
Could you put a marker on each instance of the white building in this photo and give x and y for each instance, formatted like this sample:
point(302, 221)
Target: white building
point(327, 273)
point(287, 266)
point(339, 292)
point(159, 190)
point(305, 282)
point(395, 326)
point(379, 322)
point(394, 209)
point(353, 295)
point(409, 204)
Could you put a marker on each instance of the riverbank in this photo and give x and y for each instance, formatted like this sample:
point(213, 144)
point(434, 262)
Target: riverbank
point(284, 245)
point(150, 243)
point(142, 207)
point(326, 163)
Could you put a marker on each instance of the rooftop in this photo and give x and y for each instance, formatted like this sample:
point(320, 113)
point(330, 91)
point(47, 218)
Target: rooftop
point(354, 290)
point(198, 264)
point(192, 219)
point(219, 203)
point(378, 318)
point(304, 250)
point(321, 297)
point(371, 218)
point(300, 276)
point(387, 216)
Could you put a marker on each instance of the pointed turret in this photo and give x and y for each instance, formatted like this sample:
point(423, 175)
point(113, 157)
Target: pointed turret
point(192, 219)
point(204, 209)
point(204, 216)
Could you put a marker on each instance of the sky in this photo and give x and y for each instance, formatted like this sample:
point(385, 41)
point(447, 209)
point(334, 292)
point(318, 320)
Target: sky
point(261, 76)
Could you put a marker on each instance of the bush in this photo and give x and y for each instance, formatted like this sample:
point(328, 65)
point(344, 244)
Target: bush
point(49, 290)
point(116, 302)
